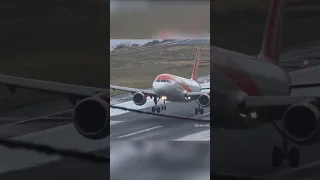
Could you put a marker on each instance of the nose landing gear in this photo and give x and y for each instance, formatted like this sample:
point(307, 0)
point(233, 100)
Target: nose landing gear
point(164, 107)
point(156, 108)
point(280, 154)
point(198, 110)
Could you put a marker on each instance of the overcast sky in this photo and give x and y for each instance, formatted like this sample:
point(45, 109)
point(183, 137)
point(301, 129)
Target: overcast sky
point(127, 5)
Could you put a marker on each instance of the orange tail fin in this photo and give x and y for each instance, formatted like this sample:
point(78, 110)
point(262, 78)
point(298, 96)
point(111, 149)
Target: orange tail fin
point(194, 75)
point(270, 50)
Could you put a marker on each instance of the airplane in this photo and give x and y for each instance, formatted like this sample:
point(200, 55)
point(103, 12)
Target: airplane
point(172, 88)
point(249, 91)
point(91, 113)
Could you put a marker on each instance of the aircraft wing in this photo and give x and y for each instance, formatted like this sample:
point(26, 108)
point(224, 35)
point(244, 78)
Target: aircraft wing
point(274, 106)
point(195, 94)
point(271, 101)
point(205, 89)
point(148, 92)
point(13, 82)
point(279, 101)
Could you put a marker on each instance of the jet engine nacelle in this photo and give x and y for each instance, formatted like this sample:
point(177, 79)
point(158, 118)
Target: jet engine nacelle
point(301, 122)
point(139, 99)
point(204, 100)
point(91, 118)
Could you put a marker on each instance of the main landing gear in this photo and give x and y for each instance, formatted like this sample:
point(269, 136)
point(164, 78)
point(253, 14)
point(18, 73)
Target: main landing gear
point(280, 154)
point(198, 110)
point(156, 108)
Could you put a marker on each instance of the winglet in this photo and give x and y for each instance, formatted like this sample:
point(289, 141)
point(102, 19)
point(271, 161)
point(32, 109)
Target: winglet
point(270, 50)
point(194, 75)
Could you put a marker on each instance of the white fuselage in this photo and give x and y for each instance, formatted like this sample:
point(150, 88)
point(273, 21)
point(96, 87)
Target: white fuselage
point(235, 75)
point(173, 88)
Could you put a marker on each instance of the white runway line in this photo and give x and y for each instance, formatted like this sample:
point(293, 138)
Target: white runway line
point(115, 122)
point(62, 137)
point(205, 114)
point(138, 132)
point(36, 118)
point(131, 105)
point(58, 118)
point(120, 99)
point(199, 136)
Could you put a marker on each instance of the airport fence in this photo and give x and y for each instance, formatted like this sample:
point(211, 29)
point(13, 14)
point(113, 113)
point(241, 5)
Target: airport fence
point(140, 49)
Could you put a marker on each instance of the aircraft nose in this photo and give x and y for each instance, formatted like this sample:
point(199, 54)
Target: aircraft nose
point(155, 87)
point(159, 88)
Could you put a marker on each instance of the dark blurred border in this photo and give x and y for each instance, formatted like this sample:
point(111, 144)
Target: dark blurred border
point(142, 19)
point(239, 26)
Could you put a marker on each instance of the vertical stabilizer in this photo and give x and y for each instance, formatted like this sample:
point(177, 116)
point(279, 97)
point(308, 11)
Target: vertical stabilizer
point(270, 50)
point(194, 75)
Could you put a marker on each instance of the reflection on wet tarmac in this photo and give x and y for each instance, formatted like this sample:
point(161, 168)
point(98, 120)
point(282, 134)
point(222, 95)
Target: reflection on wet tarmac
point(160, 160)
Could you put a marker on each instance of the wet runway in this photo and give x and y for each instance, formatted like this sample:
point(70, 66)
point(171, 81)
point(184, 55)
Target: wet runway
point(134, 126)
point(53, 128)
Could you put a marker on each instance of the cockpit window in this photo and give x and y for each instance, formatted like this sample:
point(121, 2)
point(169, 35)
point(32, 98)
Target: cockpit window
point(164, 80)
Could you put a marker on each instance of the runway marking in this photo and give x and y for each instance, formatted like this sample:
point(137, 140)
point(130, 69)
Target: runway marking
point(36, 118)
point(121, 99)
point(130, 104)
point(138, 132)
point(115, 122)
point(58, 118)
point(57, 137)
point(205, 114)
point(199, 136)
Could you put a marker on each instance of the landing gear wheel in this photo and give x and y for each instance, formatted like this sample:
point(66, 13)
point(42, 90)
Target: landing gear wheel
point(196, 111)
point(165, 108)
point(294, 157)
point(155, 108)
point(201, 111)
point(277, 157)
point(161, 107)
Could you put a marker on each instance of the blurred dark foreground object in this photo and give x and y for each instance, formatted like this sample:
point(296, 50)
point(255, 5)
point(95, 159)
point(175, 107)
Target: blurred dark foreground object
point(53, 24)
point(221, 176)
